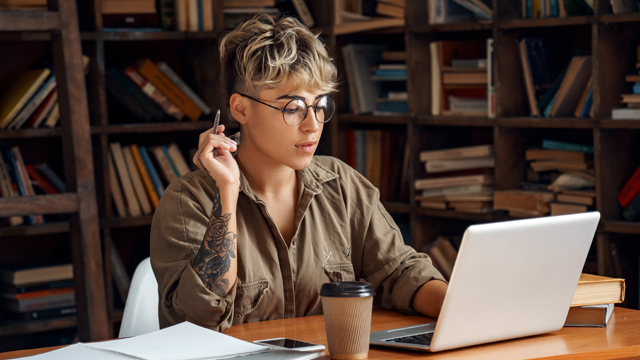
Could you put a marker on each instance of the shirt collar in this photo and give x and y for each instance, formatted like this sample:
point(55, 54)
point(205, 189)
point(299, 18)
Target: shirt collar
point(312, 177)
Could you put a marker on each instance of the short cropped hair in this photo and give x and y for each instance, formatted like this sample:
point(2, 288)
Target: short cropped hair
point(264, 53)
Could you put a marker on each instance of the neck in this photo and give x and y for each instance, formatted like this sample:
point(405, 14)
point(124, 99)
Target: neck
point(266, 177)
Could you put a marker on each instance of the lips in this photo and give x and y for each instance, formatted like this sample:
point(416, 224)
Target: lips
point(307, 146)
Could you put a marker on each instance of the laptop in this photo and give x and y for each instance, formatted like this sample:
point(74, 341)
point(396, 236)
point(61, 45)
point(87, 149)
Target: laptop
point(511, 279)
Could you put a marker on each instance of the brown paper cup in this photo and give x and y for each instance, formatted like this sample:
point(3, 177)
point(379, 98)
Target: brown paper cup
point(348, 324)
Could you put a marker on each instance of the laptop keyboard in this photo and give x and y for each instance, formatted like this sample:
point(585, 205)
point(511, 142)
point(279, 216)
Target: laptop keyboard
point(420, 339)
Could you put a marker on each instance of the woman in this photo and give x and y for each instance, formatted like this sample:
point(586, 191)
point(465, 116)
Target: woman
point(264, 223)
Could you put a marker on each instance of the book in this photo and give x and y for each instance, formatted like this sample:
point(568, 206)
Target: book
point(116, 191)
point(165, 166)
point(138, 188)
point(559, 164)
point(589, 315)
point(128, 6)
point(206, 110)
point(561, 145)
point(6, 190)
point(150, 90)
point(479, 9)
point(491, 87)
point(550, 154)
point(144, 175)
point(435, 166)
point(19, 92)
point(595, 289)
point(42, 314)
point(625, 113)
point(51, 176)
point(457, 153)
point(32, 104)
point(358, 59)
point(139, 20)
point(575, 199)
point(421, 184)
point(40, 181)
point(25, 181)
point(53, 301)
point(120, 276)
point(133, 206)
point(21, 275)
point(178, 160)
point(43, 111)
point(47, 285)
point(453, 190)
point(387, 9)
point(574, 82)
point(558, 208)
point(151, 72)
point(297, 8)
point(632, 210)
point(131, 96)
point(153, 174)
point(630, 189)
point(446, 11)
point(53, 117)
point(36, 294)
point(534, 203)
point(581, 104)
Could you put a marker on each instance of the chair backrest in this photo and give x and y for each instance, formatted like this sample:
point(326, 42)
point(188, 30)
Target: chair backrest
point(141, 310)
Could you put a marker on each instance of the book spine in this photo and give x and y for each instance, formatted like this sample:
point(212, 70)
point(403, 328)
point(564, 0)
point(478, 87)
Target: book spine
point(144, 174)
point(304, 13)
point(43, 314)
point(167, 13)
point(125, 180)
point(22, 171)
point(34, 102)
point(168, 72)
point(153, 174)
point(165, 165)
point(177, 158)
point(116, 191)
point(136, 180)
point(53, 117)
point(153, 93)
point(131, 97)
point(52, 177)
point(630, 190)
point(151, 72)
point(559, 145)
point(44, 110)
point(7, 191)
point(491, 87)
point(165, 150)
point(453, 181)
point(40, 180)
point(49, 302)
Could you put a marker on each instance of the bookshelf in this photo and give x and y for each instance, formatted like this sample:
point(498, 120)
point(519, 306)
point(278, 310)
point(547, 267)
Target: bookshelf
point(28, 38)
point(612, 39)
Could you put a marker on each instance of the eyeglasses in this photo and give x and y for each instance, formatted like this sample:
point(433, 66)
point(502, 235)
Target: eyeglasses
point(295, 111)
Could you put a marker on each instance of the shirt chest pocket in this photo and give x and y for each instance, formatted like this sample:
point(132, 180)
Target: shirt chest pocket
point(248, 298)
point(340, 272)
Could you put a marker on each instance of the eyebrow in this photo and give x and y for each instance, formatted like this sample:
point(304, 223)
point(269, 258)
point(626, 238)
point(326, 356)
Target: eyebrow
point(298, 97)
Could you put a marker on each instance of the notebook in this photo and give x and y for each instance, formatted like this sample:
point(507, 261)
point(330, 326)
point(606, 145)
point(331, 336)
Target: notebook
point(511, 279)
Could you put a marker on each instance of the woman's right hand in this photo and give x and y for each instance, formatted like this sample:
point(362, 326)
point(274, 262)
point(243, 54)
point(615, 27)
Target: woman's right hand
point(223, 168)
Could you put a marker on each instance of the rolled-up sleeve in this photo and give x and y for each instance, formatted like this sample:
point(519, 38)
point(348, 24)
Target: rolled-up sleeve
point(177, 231)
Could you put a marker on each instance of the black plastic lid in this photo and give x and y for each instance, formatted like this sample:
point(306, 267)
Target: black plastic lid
point(347, 289)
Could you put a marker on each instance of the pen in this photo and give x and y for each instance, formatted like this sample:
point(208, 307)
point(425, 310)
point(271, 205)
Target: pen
point(216, 121)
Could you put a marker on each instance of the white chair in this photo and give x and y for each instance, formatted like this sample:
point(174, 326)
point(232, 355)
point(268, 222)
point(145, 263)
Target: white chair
point(141, 310)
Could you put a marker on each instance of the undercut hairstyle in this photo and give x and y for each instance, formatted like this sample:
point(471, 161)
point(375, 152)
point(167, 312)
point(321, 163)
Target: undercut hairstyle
point(263, 53)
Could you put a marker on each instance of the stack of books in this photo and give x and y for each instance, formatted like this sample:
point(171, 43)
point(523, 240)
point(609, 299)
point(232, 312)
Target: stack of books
point(152, 91)
point(554, 90)
point(533, 9)
point(460, 80)
point(20, 179)
point(382, 157)
point(453, 11)
point(458, 178)
point(37, 292)
point(237, 12)
point(391, 8)
point(136, 184)
point(632, 100)
point(391, 72)
point(594, 299)
point(523, 203)
point(130, 14)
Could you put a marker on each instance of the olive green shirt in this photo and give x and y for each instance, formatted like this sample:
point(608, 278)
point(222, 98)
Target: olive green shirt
point(342, 233)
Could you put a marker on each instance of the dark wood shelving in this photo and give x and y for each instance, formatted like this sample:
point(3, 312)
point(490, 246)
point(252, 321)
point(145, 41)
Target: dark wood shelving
point(619, 124)
point(134, 35)
point(36, 20)
point(397, 207)
point(29, 133)
point(622, 227)
point(474, 121)
point(40, 204)
point(453, 27)
point(127, 222)
point(452, 214)
point(27, 327)
point(373, 119)
point(539, 122)
point(151, 127)
point(58, 227)
point(546, 22)
point(619, 18)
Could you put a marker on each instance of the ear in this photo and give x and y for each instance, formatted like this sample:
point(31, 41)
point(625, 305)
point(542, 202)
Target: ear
point(239, 108)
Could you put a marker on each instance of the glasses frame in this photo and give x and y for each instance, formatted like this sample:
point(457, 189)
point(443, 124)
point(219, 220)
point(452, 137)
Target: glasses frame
point(306, 110)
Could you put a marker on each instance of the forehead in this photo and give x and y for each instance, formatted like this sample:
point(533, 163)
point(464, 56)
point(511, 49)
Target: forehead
point(290, 88)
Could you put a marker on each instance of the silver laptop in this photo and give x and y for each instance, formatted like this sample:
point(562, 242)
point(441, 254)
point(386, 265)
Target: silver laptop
point(511, 279)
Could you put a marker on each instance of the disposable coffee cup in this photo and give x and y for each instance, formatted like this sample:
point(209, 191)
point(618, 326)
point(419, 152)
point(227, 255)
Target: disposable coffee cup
point(347, 307)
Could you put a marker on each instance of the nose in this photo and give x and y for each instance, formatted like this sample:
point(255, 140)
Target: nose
point(309, 124)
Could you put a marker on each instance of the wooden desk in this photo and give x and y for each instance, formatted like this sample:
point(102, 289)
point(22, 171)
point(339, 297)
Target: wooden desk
point(621, 339)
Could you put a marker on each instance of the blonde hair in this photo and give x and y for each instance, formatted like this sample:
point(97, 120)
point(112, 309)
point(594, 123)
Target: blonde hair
point(264, 53)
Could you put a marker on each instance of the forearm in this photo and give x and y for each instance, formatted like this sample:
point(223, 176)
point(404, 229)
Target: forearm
point(429, 297)
point(216, 263)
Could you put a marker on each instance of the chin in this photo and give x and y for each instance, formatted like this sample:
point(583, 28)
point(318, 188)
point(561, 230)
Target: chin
point(301, 163)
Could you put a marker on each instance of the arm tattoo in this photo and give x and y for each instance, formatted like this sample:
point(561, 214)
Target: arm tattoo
point(213, 260)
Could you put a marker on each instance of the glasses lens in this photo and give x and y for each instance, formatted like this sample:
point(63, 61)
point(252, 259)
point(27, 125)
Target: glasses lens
point(295, 112)
point(325, 108)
